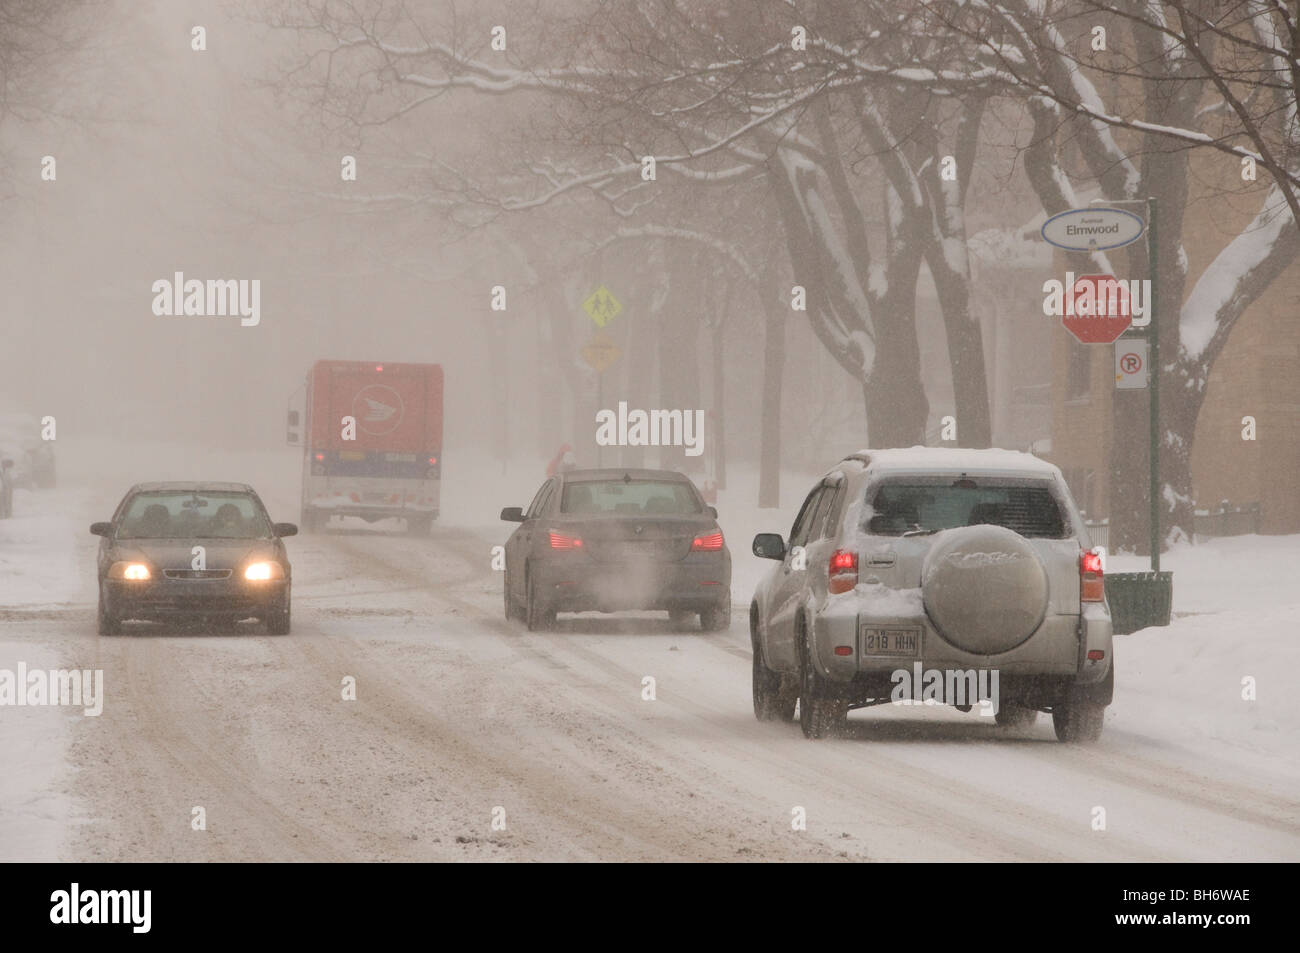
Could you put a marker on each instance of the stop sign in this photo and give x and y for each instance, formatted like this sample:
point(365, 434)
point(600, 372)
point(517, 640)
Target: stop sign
point(1097, 309)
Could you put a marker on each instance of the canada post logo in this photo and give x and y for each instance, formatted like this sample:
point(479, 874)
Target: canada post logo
point(378, 409)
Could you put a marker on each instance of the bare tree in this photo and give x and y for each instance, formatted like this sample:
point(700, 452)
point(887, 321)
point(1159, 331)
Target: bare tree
point(719, 96)
point(1182, 76)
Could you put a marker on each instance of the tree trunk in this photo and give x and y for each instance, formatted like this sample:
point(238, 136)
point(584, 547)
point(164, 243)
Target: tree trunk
point(965, 355)
point(679, 368)
point(775, 314)
point(718, 431)
point(896, 405)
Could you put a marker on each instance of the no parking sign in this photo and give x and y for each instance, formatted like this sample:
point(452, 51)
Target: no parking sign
point(1130, 364)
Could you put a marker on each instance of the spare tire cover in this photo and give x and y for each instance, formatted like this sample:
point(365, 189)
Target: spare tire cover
point(984, 588)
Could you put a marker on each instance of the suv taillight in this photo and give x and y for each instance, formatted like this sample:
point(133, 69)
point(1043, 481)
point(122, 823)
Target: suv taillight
point(560, 541)
point(843, 571)
point(1092, 580)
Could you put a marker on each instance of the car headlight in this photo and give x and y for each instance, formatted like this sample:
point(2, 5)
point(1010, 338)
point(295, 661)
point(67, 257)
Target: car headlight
point(135, 572)
point(263, 570)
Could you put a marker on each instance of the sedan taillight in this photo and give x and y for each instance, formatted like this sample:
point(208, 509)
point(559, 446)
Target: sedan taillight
point(1092, 579)
point(560, 541)
point(843, 571)
point(710, 543)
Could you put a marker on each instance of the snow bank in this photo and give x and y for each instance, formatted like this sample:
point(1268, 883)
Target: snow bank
point(35, 808)
point(40, 550)
point(1235, 611)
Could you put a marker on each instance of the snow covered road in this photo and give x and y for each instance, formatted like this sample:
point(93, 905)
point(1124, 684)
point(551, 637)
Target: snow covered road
point(461, 717)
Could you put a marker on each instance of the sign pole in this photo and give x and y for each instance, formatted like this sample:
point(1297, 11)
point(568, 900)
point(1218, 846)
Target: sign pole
point(1153, 337)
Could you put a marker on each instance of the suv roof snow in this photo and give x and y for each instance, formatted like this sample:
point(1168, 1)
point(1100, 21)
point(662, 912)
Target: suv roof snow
point(945, 460)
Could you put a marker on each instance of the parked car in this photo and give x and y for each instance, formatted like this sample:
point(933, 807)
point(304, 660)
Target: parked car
point(33, 457)
point(205, 551)
point(906, 562)
point(609, 540)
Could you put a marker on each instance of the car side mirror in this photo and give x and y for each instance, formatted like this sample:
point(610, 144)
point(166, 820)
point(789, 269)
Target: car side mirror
point(282, 530)
point(769, 546)
point(291, 435)
point(101, 529)
point(713, 511)
point(513, 514)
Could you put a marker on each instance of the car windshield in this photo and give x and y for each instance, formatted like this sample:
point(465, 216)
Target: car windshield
point(1030, 510)
point(630, 497)
point(187, 514)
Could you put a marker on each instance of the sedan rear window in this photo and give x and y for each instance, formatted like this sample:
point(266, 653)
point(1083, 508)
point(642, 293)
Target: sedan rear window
point(630, 497)
point(1030, 510)
point(185, 515)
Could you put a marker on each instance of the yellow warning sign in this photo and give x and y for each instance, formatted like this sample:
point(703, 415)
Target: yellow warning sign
point(600, 352)
point(602, 306)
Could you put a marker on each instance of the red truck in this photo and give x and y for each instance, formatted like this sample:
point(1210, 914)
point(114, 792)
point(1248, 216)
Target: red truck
point(372, 443)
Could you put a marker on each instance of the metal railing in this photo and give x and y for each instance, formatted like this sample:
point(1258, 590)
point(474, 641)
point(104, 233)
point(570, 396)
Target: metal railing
point(1227, 519)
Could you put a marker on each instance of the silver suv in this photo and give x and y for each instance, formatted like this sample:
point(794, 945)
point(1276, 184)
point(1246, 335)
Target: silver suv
point(924, 576)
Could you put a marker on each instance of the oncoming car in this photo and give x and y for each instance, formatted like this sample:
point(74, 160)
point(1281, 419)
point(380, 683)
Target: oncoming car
point(204, 551)
point(609, 540)
point(959, 576)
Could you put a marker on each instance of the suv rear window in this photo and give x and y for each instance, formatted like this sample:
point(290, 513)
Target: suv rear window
point(1030, 510)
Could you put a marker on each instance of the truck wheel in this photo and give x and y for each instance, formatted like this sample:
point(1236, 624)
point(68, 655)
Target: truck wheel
point(680, 619)
point(537, 616)
point(717, 619)
point(1014, 716)
point(773, 698)
point(418, 525)
point(310, 521)
point(1078, 721)
point(822, 708)
point(108, 624)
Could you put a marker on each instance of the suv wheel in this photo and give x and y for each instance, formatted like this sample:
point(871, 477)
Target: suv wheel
point(774, 695)
point(1078, 721)
point(538, 617)
point(822, 708)
point(680, 620)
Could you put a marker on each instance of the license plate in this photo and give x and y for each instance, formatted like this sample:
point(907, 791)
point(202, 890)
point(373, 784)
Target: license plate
point(352, 455)
point(879, 640)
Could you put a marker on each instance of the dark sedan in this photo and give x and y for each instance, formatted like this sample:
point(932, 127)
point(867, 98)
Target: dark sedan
point(204, 551)
point(610, 540)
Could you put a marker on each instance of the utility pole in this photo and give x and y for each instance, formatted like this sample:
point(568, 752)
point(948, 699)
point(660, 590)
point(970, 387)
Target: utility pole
point(1153, 359)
